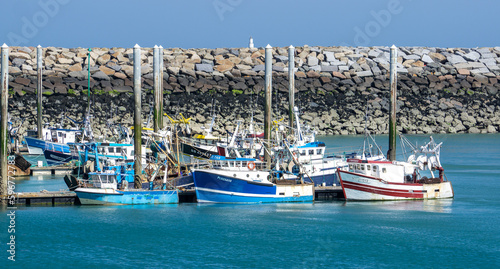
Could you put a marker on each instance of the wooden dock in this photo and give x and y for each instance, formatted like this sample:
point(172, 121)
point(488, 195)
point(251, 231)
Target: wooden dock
point(52, 170)
point(46, 198)
point(328, 193)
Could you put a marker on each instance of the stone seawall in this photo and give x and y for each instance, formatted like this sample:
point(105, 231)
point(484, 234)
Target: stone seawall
point(453, 90)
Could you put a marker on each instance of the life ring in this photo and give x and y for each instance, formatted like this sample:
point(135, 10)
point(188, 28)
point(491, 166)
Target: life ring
point(251, 165)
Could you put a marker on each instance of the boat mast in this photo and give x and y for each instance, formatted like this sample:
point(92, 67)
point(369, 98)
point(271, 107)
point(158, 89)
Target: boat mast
point(392, 118)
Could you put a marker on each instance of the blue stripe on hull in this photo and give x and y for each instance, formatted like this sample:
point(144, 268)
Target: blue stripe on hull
point(206, 180)
point(212, 197)
point(131, 197)
point(42, 144)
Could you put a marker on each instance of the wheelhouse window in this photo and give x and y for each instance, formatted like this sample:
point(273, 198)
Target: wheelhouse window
point(319, 151)
point(374, 168)
point(311, 152)
point(384, 170)
point(303, 153)
point(368, 167)
point(111, 150)
point(362, 167)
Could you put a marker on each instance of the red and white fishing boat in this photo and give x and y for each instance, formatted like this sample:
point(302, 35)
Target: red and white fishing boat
point(373, 180)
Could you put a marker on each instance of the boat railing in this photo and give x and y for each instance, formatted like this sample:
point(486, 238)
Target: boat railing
point(198, 142)
point(239, 165)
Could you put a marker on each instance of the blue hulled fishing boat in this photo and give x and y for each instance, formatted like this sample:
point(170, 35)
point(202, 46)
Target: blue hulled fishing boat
point(248, 180)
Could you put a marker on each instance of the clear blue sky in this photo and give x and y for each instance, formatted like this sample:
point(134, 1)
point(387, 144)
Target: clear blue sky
point(230, 23)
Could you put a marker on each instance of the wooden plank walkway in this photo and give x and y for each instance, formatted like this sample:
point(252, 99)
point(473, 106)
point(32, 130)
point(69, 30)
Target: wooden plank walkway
point(52, 170)
point(46, 198)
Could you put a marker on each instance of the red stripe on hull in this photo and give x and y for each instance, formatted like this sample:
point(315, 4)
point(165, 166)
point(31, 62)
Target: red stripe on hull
point(383, 191)
point(388, 183)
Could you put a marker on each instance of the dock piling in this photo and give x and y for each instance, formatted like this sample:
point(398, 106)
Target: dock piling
point(88, 80)
point(291, 85)
point(392, 118)
point(268, 98)
point(156, 86)
point(161, 86)
point(4, 80)
point(39, 90)
point(137, 111)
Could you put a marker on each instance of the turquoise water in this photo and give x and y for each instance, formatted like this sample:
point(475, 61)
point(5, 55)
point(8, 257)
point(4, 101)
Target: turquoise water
point(458, 233)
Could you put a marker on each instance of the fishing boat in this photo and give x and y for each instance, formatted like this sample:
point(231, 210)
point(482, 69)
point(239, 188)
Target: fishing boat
point(105, 188)
point(390, 179)
point(201, 146)
point(248, 180)
point(372, 180)
point(109, 153)
point(55, 139)
point(117, 185)
point(54, 157)
point(310, 157)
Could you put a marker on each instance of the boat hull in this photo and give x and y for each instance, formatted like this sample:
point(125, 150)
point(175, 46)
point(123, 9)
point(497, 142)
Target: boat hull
point(37, 146)
point(57, 158)
point(212, 187)
point(92, 196)
point(197, 152)
point(365, 188)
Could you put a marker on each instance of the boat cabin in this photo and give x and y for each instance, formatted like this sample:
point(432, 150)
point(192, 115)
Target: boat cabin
point(116, 149)
point(311, 151)
point(105, 180)
point(385, 170)
point(236, 164)
point(57, 135)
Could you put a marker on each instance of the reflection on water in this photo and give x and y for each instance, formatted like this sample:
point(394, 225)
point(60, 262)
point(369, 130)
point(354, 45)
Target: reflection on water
point(432, 205)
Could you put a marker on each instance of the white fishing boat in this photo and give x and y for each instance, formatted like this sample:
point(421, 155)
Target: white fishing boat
point(307, 156)
point(374, 180)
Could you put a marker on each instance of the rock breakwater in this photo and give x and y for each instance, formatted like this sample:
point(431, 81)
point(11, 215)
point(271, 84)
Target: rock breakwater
point(440, 90)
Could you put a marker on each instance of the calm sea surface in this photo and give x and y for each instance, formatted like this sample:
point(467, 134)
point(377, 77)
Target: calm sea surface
point(463, 232)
